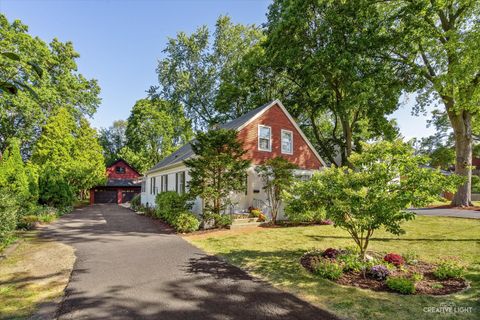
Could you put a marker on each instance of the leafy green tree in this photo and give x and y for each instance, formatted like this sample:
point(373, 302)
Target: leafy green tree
point(385, 180)
point(23, 114)
point(217, 169)
point(69, 155)
point(88, 162)
point(277, 177)
point(13, 82)
point(55, 146)
point(53, 154)
point(328, 50)
point(153, 132)
point(191, 73)
point(113, 139)
point(438, 47)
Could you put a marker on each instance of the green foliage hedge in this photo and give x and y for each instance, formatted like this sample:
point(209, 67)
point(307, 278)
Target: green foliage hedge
point(9, 210)
point(186, 222)
point(173, 208)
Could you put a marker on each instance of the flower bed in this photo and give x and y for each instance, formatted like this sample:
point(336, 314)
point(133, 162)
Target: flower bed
point(379, 274)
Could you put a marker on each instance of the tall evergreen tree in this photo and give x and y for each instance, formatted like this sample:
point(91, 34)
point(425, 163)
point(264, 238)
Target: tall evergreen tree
point(13, 174)
point(88, 161)
point(217, 168)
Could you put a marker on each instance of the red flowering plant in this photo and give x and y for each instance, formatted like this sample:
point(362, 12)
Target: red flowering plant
point(395, 259)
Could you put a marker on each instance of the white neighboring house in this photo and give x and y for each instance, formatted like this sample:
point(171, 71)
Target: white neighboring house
point(266, 132)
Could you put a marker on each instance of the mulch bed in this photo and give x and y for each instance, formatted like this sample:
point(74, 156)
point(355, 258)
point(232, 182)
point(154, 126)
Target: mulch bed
point(429, 285)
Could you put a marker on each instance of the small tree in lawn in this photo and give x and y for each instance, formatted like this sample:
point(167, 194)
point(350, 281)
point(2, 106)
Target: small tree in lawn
point(217, 169)
point(277, 177)
point(384, 180)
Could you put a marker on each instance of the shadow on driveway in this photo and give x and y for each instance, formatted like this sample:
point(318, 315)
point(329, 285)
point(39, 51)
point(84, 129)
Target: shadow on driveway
point(133, 267)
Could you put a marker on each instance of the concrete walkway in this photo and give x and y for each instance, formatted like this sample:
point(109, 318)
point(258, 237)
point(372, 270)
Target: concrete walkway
point(132, 267)
point(455, 213)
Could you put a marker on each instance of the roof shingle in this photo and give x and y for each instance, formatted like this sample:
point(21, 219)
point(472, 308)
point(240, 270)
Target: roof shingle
point(186, 151)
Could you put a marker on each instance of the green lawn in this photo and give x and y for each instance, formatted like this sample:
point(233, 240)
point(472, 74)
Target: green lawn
point(36, 272)
point(273, 254)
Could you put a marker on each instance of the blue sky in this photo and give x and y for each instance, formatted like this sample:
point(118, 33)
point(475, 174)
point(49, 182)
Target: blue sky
point(121, 41)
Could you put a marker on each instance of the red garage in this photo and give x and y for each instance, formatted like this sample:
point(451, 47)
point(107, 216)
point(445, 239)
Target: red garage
point(123, 183)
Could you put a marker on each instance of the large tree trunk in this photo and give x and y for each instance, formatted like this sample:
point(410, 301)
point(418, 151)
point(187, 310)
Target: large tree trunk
point(348, 137)
point(462, 129)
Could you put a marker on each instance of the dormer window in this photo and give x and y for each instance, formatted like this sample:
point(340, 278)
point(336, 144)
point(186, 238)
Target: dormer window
point(120, 170)
point(287, 142)
point(264, 138)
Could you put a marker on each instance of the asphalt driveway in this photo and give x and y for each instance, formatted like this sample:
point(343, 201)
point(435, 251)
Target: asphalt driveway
point(132, 267)
point(448, 212)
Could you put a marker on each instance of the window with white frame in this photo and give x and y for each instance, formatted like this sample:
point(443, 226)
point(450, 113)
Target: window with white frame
point(180, 182)
point(287, 142)
point(164, 183)
point(264, 138)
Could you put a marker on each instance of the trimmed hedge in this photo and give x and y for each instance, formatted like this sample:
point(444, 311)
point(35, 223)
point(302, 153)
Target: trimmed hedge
point(186, 222)
point(173, 208)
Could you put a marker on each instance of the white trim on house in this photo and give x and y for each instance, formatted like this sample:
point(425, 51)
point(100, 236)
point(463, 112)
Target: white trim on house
point(270, 138)
point(282, 131)
point(291, 120)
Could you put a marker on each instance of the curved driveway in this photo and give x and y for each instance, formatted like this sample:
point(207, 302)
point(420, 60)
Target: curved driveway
point(132, 267)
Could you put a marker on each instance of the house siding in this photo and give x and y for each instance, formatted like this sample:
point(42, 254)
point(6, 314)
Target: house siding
point(303, 156)
point(129, 172)
point(149, 199)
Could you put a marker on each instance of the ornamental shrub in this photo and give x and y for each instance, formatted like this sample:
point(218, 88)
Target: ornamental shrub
point(186, 222)
point(54, 190)
point(395, 259)
point(326, 268)
point(378, 272)
point(351, 261)
point(170, 204)
point(255, 213)
point(262, 218)
point(330, 253)
point(135, 202)
point(401, 285)
point(28, 222)
point(9, 209)
point(219, 220)
point(449, 268)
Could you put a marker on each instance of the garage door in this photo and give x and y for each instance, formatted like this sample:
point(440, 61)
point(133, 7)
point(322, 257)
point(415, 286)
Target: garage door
point(128, 195)
point(106, 196)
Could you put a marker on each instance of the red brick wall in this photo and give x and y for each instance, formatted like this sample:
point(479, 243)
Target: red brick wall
point(275, 118)
point(129, 172)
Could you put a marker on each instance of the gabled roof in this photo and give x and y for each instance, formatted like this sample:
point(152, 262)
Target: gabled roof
point(186, 151)
point(122, 160)
point(123, 183)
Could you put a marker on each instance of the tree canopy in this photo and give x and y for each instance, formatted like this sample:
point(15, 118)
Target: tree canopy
point(60, 86)
point(437, 46)
point(153, 132)
point(328, 50)
point(191, 74)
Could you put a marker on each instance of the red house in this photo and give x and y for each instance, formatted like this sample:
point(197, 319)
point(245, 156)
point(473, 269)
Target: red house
point(265, 132)
point(123, 183)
